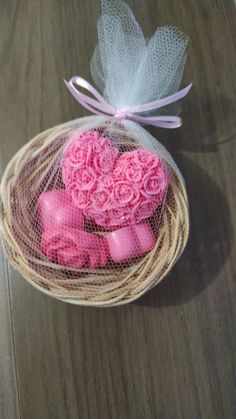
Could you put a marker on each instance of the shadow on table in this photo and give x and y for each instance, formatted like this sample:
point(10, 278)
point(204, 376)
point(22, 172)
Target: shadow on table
point(209, 245)
point(199, 117)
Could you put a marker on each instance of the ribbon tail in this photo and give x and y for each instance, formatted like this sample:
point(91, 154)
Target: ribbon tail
point(170, 122)
point(160, 103)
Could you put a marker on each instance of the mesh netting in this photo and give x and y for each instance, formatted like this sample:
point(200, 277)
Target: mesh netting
point(113, 241)
point(130, 69)
point(95, 211)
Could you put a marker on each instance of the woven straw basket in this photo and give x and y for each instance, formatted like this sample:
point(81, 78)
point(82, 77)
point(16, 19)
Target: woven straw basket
point(101, 287)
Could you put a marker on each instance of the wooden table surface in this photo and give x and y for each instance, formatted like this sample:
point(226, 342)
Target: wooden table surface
point(171, 354)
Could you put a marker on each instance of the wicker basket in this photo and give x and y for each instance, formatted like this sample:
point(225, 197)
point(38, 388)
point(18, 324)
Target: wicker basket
point(101, 287)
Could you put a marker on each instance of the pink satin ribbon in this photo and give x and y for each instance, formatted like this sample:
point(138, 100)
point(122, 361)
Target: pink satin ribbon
point(99, 106)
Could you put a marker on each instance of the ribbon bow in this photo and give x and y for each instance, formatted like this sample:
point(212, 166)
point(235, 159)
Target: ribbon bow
point(99, 106)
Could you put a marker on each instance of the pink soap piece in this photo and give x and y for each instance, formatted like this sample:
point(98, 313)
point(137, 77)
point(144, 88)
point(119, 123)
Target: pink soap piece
point(129, 242)
point(75, 248)
point(145, 236)
point(56, 209)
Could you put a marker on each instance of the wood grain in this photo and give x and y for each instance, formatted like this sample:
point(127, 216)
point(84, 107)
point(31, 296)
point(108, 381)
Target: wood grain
point(171, 355)
point(9, 402)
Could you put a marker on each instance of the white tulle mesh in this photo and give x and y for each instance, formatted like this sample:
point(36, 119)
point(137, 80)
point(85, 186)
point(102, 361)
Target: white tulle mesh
point(56, 229)
point(130, 69)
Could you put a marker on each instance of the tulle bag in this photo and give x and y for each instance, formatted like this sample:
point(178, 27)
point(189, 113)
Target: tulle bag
point(95, 211)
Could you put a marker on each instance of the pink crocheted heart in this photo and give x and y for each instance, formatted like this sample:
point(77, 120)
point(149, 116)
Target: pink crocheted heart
point(112, 189)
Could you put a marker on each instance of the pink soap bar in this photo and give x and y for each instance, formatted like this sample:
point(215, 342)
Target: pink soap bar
point(75, 248)
point(129, 242)
point(56, 209)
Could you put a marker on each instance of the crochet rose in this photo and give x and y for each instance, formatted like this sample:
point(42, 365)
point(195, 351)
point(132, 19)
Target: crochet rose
point(114, 190)
point(74, 248)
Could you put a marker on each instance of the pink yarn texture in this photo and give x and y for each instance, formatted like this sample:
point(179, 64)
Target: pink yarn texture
point(113, 189)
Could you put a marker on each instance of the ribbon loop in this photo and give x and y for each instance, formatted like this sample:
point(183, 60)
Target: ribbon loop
point(99, 106)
